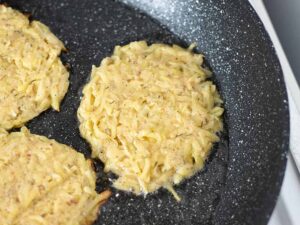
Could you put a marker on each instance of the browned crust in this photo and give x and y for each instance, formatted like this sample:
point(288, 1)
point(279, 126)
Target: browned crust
point(105, 195)
point(90, 220)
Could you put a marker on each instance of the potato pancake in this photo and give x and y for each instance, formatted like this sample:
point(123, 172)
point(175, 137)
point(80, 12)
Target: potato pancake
point(151, 115)
point(32, 76)
point(44, 182)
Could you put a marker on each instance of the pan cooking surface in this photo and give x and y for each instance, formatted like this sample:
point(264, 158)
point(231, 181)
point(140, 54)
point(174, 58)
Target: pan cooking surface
point(242, 178)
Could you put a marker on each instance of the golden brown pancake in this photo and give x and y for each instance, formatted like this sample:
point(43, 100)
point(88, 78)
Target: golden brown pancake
point(44, 182)
point(32, 77)
point(151, 115)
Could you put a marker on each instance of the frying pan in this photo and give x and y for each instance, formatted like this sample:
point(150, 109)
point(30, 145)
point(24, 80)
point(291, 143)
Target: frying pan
point(243, 175)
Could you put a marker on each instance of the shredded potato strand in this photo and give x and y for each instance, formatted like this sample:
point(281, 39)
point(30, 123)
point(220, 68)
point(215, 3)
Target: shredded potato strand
point(151, 115)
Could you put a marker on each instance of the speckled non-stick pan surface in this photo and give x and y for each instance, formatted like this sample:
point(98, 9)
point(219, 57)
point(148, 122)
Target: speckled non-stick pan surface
point(242, 178)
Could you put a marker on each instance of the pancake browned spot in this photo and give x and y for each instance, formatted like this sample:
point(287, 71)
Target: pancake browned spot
point(32, 77)
point(44, 182)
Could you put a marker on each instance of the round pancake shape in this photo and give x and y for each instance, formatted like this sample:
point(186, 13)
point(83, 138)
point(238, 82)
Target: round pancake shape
point(32, 77)
point(151, 115)
point(45, 182)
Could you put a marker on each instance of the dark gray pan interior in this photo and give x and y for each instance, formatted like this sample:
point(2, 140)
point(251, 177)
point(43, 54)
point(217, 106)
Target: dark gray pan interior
point(243, 176)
